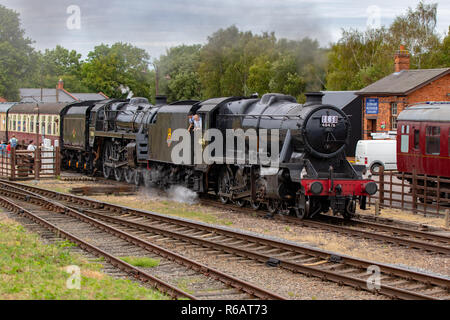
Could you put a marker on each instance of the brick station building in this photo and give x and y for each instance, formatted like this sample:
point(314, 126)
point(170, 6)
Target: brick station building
point(2, 99)
point(385, 99)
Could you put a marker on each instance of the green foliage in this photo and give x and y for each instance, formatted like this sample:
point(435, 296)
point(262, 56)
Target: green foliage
point(178, 77)
point(241, 63)
point(16, 53)
point(361, 58)
point(110, 69)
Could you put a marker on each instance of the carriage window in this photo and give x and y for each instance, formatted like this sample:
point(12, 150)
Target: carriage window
point(32, 124)
point(49, 125)
point(433, 140)
point(416, 139)
point(55, 131)
point(43, 125)
point(404, 147)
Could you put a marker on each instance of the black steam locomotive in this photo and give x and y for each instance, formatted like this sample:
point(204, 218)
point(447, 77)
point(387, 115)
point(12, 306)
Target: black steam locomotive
point(136, 141)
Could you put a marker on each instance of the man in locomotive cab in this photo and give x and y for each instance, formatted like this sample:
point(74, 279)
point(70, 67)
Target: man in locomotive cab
point(197, 122)
point(191, 121)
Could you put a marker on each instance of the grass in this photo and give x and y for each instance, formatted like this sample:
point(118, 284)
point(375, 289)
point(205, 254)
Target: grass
point(32, 270)
point(143, 262)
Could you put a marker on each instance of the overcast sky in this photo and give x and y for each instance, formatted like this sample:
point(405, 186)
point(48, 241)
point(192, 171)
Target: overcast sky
point(156, 25)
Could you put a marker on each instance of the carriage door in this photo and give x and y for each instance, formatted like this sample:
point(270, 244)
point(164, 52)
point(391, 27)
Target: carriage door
point(414, 159)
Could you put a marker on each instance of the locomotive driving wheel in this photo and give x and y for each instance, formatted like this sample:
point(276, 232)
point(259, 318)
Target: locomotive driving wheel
point(137, 177)
point(129, 175)
point(107, 170)
point(224, 186)
point(118, 174)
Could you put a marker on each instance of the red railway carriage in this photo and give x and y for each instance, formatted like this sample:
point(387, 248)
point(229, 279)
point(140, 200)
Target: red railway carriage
point(25, 119)
point(423, 135)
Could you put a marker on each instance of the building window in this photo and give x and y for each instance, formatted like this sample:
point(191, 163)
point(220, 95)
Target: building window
point(394, 108)
point(394, 114)
point(433, 141)
point(25, 120)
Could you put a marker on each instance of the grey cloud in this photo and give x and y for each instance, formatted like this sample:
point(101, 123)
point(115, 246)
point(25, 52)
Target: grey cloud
point(157, 25)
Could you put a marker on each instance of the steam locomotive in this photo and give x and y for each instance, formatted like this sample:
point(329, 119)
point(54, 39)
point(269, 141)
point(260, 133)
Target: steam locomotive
point(135, 141)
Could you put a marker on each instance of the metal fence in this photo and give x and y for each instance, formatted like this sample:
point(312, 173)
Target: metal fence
point(414, 192)
point(27, 165)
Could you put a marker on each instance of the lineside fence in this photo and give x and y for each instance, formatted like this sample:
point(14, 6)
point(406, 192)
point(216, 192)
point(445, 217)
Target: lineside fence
point(413, 192)
point(29, 165)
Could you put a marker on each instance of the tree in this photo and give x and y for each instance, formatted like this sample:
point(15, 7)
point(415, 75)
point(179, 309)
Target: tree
point(55, 64)
point(359, 58)
point(118, 69)
point(16, 54)
point(179, 78)
point(417, 31)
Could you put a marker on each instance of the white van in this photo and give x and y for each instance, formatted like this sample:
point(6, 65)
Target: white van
point(375, 154)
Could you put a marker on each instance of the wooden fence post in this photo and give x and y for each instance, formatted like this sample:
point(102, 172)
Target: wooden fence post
point(37, 162)
point(13, 163)
point(377, 207)
point(36, 165)
point(447, 219)
point(381, 192)
point(57, 162)
point(414, 191)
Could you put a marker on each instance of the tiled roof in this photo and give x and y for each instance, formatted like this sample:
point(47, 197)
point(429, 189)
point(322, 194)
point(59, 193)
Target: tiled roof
point(404, 82)
point(49, 95)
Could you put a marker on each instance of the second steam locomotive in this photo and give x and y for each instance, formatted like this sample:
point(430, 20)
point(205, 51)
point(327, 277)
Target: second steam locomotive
point(136, 141)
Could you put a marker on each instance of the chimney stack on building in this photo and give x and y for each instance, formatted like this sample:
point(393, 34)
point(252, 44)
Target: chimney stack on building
point(60, 84)
point(401, 59)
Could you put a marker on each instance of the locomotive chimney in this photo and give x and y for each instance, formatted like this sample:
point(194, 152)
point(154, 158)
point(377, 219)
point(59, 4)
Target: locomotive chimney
point(401, 59)
point(160, 100)
point(313, 98)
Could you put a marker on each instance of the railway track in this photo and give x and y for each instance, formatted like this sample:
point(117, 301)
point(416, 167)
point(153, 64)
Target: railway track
point(168, 231)
point(105, 241)
point(402, 236)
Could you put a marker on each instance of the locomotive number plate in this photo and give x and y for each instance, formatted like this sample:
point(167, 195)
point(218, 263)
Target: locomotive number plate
point(329, 121)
